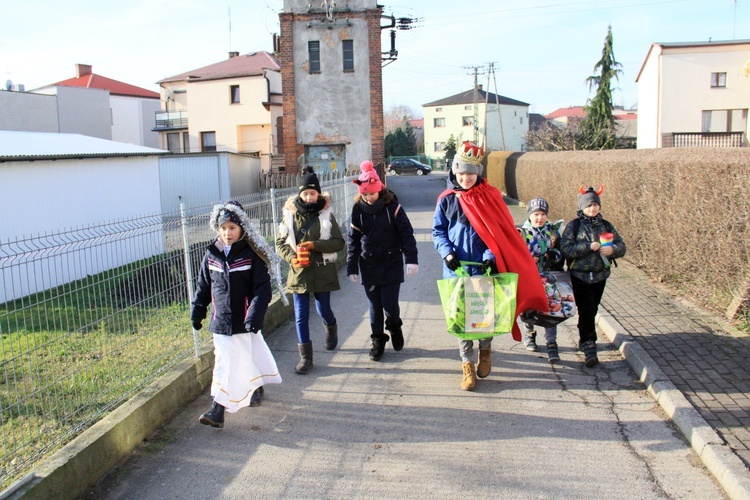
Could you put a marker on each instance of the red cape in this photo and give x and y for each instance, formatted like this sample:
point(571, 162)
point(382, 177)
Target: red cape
point(499, 233)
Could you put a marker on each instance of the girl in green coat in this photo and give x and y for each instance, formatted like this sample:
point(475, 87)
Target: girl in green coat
point(308, 224)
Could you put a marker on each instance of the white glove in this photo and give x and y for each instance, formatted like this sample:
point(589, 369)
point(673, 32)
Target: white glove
point(354, 278)
point(412, 269)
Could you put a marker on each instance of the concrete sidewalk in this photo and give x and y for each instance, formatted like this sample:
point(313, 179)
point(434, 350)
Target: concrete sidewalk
point(695, 366)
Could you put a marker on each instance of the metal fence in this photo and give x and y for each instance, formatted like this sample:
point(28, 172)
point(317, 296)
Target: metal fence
point(90, 316)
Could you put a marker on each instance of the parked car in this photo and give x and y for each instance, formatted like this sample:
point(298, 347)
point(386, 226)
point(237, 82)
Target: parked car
point(407, 166)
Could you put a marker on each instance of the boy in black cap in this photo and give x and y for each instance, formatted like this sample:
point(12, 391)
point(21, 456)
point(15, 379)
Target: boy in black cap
point(542, 240)
point(588, 244)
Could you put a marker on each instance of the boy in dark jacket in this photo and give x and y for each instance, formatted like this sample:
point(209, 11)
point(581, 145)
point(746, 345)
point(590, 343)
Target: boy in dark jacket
point(234, 279)
point(379, 238)
point(589, 263)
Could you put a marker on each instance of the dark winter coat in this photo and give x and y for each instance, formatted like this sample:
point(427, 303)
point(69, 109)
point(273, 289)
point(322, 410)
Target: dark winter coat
point(322, 274)
point(378, 242)
point(237, 286)
point(583, 263)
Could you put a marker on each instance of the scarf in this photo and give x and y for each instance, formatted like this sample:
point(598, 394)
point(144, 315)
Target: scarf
point(498, 231)
point(309, 208)
point(373, 209)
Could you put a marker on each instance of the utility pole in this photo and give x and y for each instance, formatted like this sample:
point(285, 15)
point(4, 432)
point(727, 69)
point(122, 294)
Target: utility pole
point(475, 71)
point(497, 105)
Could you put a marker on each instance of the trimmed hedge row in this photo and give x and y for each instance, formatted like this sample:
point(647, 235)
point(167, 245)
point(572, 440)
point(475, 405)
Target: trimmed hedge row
point(683, 212)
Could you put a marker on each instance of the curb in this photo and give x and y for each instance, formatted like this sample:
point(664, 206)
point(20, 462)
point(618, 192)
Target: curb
point(719, 459)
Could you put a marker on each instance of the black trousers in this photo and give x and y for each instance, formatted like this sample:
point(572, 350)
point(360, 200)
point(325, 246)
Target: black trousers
point(383, 306)
point(588, 296)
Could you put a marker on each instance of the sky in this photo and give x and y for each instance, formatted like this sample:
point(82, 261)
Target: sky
point(542, 51)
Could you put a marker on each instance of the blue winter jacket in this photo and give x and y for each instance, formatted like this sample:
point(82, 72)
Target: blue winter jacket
point(237, 286)
point(451, 232)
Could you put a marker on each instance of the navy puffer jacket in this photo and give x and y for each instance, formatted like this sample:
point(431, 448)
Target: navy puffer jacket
point(380, 241)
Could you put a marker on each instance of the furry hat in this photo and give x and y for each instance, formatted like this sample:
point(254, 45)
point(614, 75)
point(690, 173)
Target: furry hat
point(309, 180)
point(368, 181)
point(468, 159)
point(233, 211)
point(588, 196)
point(537, 205)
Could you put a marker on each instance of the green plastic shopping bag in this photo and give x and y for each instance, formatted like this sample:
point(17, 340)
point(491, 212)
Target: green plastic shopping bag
point(477, 307)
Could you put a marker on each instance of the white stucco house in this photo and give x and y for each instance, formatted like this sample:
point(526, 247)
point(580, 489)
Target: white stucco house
point(694, 94)
point(231, 106)
point(501, 122)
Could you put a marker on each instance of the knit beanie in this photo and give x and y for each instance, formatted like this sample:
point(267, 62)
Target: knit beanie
point(309, 180)
point(468, 159)
point(589, 196)
point(230, 211)
point(368, 181)
point(537, 205)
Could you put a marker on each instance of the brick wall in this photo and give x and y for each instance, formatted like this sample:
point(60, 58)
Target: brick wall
point(292, 149)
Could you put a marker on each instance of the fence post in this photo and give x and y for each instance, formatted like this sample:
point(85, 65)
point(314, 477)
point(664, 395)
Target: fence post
point(189, 272)
point(275, 217)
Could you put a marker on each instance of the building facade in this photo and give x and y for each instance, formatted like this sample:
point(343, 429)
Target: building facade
point(496, 122)
point(694, 94)
point(333, 85)
point(232, 106)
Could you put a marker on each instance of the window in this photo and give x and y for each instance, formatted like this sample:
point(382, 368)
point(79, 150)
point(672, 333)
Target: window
point(724, 120)
point(173, 142)
point(347, 46)
point(439, 146)
point(186, 142)
point(438, 122)
point(208, 141)
point(467, 121)
point(468, 106)
point(234, 94)
point(718, 80)
point(313, 54)
point(438, 110)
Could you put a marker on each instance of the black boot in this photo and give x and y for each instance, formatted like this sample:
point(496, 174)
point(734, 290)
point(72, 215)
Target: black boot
point(589, 351)
point(213, 417)
point(378, 346)
point(397, 335)
point(332, 335)
point(305, 358)
point(257, 398)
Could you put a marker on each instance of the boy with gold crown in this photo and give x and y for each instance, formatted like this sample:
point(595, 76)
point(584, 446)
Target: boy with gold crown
point(472, 224)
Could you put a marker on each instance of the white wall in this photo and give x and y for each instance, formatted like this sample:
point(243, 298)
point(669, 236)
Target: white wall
point(24, 111)
point(515, 124)
point(84, 111)
point(648, 101)
point(132, 120)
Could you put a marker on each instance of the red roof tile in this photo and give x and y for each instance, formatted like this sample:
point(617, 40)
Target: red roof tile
point(572, 111)
point(115, 87)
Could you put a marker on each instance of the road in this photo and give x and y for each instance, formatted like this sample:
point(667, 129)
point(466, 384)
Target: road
point(401, 427)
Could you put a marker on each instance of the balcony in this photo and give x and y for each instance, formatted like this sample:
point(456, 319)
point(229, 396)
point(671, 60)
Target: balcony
point(704, 140)
point(171, 120)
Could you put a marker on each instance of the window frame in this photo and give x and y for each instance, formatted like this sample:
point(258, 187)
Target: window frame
point(313, 57)
point(205, 146)
point(347, 48)
point(467, 121)
point(438, 122)
point(718, 79)
point(234, 94)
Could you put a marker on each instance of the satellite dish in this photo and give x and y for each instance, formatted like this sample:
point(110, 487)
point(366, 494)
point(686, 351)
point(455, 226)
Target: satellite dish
point(8, 85)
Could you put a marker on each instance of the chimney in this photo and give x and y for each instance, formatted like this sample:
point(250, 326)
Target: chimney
point(83, 70)
point(479, 86)
point(233, 54)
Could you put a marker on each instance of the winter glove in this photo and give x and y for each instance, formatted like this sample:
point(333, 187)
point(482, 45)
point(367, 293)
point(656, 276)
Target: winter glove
point(451, 261)
point(307, 244)
point(250, 328)
point(197, 324)
point(489, 264)
point(412, 269)
point(354, 278)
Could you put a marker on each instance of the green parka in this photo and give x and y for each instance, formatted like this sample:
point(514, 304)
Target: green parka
point(324, 232)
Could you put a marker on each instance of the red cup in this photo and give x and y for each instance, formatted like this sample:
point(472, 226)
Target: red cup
point(303, 256)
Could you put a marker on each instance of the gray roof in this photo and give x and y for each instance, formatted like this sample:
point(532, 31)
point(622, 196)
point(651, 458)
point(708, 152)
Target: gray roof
point(705, 43)
point(253, 64)
point(29, 146)
point(468, 98)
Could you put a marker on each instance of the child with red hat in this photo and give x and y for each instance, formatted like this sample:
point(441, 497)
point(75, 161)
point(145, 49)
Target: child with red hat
point(381, 237)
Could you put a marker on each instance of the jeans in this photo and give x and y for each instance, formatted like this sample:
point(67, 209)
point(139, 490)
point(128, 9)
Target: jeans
point(302, 312)
point(383, 299)
point(588, 297)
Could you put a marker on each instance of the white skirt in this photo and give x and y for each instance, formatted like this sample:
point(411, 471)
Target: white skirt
point(243, 362)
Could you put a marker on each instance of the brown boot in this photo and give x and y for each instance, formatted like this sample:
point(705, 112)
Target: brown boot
point(485, 362)
point(469, 383)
